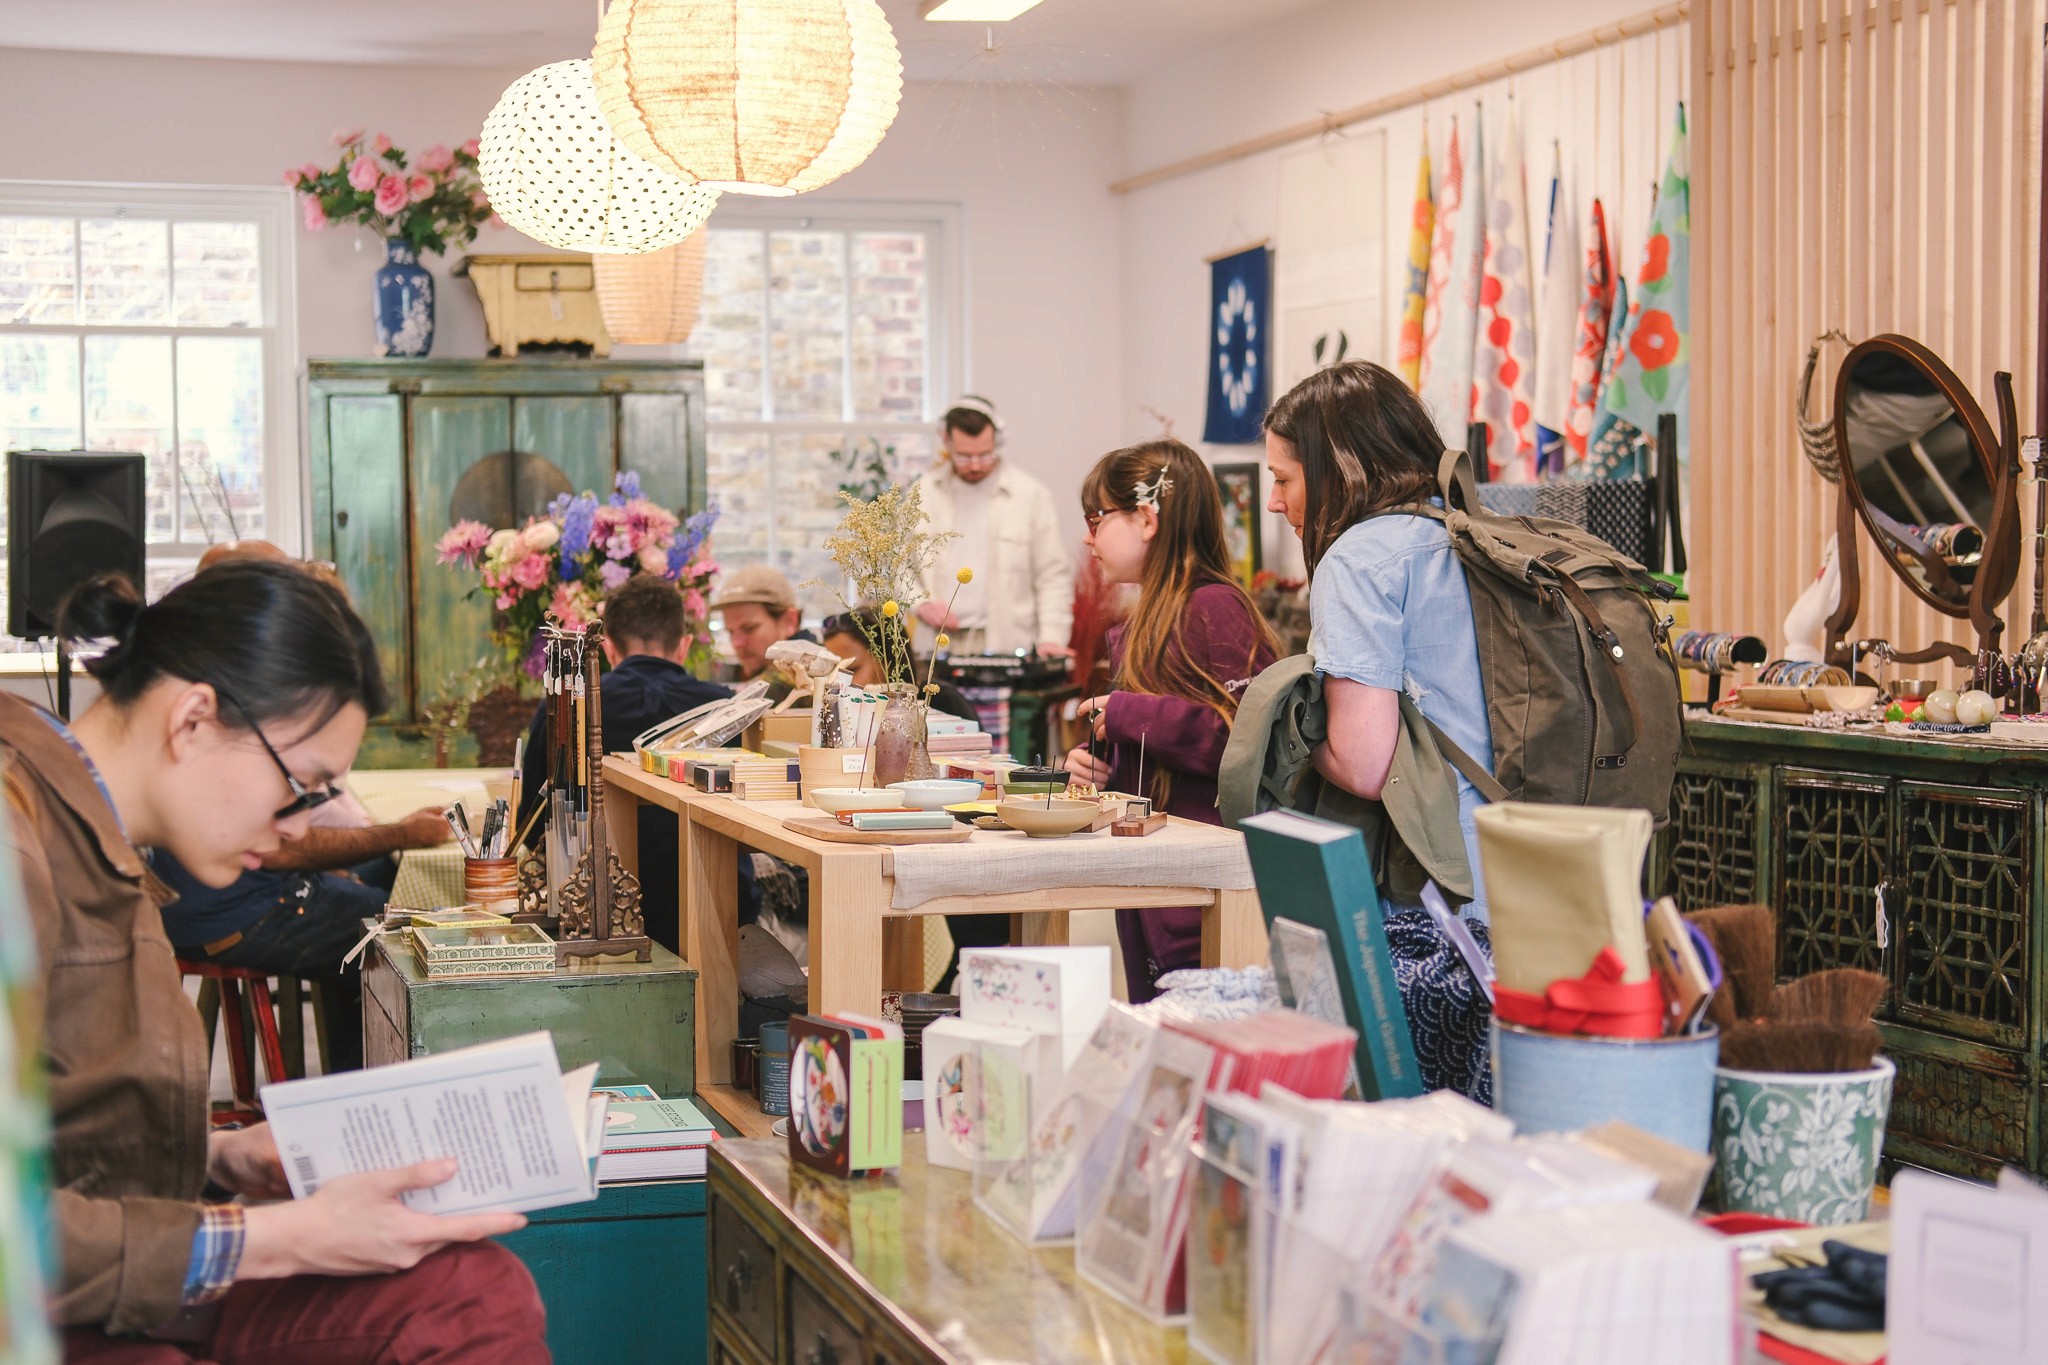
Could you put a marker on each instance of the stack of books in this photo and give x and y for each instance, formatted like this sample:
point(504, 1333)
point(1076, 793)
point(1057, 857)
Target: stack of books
point(758, 778)
point(653, 1140)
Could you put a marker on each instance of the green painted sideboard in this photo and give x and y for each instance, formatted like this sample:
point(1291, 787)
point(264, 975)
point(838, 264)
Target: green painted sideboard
point(401, 448)
point(1918, 858)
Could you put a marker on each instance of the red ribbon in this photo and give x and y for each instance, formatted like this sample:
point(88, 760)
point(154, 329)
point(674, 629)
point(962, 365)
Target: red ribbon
point(1596, 1003)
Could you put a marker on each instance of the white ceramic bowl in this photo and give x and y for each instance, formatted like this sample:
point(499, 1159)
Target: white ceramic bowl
point(936, 793)
point(833, 800)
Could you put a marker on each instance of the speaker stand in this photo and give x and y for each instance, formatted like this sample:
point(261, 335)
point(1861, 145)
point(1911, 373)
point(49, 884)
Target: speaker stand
point(63, 683)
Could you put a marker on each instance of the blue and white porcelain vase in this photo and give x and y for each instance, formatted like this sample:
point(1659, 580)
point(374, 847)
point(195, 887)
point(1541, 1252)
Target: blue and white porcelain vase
point(405, 302)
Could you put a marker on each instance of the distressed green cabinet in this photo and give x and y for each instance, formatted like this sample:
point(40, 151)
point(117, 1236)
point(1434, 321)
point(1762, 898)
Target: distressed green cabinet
point(1921, 859)
point(400, 449)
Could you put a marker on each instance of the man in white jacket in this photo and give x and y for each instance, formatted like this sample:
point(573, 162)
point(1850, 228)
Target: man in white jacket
point(1007, 532)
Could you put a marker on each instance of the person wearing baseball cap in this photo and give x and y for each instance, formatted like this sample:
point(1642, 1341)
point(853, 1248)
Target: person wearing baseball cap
point(758, 607)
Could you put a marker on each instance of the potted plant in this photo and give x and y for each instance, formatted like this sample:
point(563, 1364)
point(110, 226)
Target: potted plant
point(417, 205)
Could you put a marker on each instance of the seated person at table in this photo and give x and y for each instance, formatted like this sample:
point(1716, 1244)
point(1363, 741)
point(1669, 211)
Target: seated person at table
point(645, 640)
point(848, 634)
point(758, 608)
point(301, 912)
point(227, 709)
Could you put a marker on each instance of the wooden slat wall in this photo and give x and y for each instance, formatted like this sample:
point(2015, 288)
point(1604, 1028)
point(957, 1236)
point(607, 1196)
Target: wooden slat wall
point(1872, 166)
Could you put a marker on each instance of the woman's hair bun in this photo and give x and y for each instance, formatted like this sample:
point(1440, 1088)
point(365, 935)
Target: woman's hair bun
point(104, 607)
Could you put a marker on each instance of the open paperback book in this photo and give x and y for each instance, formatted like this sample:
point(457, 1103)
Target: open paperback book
point(525, 1134)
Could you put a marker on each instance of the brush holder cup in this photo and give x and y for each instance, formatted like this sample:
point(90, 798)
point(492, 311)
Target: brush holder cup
point(1557, 1082)
point(492, 884)
point(1802, 1146)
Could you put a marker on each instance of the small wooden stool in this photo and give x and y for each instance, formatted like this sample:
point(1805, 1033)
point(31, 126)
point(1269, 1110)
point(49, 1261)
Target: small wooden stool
point(246, 994)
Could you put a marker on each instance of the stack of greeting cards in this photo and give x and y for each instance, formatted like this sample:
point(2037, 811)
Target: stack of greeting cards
point(845, 1093)
point(1305, 1056)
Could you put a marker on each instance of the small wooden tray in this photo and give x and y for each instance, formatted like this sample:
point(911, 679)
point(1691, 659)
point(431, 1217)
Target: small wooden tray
point(829, 829)
point(1761, 697)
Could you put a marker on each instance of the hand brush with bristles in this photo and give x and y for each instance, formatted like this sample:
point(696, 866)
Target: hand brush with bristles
point(1838, 995)
point(1805, 1046)
point(1745, 937)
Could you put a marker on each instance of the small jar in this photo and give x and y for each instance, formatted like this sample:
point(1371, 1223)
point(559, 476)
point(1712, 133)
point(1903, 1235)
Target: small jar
point(746, 1065)
point(774, 1068)
point(492, 884)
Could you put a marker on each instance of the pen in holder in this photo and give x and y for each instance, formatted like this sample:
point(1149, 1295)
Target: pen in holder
point(492, 884)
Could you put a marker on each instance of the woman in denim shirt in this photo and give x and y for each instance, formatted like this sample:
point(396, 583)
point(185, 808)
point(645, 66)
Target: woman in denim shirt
point(1390, 613)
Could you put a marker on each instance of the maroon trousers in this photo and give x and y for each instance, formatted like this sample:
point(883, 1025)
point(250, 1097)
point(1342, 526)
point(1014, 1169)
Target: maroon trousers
point(469, 1303)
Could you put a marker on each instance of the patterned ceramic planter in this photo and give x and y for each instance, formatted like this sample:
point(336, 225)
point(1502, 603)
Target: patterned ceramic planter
point(1799, 1146)
point(405, 302)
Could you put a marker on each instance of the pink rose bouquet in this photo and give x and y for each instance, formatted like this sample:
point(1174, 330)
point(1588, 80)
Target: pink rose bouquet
point(434, 201)
point(564, 564)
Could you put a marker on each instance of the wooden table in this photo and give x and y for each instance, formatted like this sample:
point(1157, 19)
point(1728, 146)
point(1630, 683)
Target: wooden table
point(895, 1270)
point(859, 941)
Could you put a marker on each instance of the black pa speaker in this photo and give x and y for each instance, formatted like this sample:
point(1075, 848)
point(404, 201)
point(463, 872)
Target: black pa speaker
point(70, 514)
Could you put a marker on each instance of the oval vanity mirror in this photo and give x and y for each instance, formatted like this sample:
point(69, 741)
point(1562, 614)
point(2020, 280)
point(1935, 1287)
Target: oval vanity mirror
point(1923, 472)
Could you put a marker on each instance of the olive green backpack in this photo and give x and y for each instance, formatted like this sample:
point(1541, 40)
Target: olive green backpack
point(1581, 688)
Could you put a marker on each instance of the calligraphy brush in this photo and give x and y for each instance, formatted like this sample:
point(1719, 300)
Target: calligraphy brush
point(540, 803)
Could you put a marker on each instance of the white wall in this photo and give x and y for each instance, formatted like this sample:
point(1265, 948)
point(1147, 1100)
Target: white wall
point(1337, 55)
point(1028, 171)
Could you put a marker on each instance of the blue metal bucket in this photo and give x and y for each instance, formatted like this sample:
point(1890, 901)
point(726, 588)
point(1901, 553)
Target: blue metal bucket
point(1551, 1082)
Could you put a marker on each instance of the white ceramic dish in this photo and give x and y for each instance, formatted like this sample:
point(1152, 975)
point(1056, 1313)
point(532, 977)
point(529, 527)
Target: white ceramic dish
point(833, 800)
point(936, 793)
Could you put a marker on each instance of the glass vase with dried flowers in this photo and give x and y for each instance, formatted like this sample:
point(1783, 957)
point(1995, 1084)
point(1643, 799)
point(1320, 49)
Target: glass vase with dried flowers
point(883, 552)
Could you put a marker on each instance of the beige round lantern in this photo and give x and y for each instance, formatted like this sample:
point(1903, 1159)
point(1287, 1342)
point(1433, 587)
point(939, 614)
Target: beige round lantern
point(553, 170)
point(754, 96)
point(653, 299)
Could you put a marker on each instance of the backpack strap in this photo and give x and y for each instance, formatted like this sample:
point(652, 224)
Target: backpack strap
point(1455, 480)
point(1474, 771)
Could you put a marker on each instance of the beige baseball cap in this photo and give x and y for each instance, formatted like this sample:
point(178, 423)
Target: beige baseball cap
point(756, 583)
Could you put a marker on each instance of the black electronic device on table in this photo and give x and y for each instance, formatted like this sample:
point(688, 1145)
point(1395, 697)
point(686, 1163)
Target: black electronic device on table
point(71, 515)
point(1020, 670)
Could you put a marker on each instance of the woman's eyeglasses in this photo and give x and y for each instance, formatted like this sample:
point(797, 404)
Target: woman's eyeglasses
point(304, 798)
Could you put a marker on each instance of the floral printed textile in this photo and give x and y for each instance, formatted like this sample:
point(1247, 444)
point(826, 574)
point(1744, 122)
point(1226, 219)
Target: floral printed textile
point(1617, 447)
point(1415, 297)
point(1504, 355)
point(1451, 306)
point(1655, 370)
point(1596, 306)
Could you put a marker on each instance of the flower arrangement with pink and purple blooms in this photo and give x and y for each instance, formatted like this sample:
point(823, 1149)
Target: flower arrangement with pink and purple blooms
point(433, 201)
point(566, 563)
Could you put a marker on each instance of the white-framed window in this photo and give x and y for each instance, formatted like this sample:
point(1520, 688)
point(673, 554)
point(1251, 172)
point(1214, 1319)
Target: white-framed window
point(157, 319)
point(831, 340)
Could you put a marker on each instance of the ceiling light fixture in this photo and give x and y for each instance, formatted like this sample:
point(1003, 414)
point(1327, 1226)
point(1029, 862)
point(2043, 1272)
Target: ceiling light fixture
point(766, 97)
point(973, 11)
point(554, 171)
point(653, 299)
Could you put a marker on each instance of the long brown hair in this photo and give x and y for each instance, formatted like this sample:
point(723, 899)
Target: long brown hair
point(1365, 443)
point(1187, 553)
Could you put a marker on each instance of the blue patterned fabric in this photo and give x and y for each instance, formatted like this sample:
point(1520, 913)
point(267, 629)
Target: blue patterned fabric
point(1239, 324)
point(1447, 1012)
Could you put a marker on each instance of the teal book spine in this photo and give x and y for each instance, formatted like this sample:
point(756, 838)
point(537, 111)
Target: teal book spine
point(1316, 872)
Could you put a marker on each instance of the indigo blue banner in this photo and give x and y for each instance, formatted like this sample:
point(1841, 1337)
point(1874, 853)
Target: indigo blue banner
point(1240, 320)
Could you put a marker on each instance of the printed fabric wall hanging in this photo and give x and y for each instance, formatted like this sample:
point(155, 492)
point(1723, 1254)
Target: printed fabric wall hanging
point(1615, 450)
point(1240, 294)
point(1451, 313)
point(1558, 311)
point(1596, 304)
point(1504, 351)
point(1414, 297)
point(1655, 369)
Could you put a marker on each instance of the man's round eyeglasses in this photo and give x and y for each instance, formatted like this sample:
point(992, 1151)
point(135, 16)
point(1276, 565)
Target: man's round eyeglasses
point(304, 798)
point(988, 457)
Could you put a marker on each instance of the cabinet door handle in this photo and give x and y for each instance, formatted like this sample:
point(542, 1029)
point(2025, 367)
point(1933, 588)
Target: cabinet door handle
point(739, 1278)
point(341, 518)
point(822, 1353)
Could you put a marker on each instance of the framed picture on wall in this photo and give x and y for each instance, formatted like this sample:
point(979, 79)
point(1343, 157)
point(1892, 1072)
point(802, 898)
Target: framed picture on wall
point(1239, 484)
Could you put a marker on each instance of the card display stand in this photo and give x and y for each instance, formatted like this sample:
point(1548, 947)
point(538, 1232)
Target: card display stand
point(1131, 1209)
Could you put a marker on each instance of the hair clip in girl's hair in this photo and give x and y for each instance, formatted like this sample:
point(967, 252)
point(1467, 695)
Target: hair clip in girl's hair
point(1147, 494)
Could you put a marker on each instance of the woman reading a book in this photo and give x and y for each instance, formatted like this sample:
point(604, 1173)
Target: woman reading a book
point(228, 710)
point(1178, 666)
point(1389, 613)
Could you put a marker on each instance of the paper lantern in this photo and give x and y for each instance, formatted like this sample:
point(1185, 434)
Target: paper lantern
point(652, 299)
point(554, 171)
point(755, 96)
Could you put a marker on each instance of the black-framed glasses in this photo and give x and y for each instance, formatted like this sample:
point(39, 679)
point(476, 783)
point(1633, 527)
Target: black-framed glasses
point(304, 798)
point(1094, 519)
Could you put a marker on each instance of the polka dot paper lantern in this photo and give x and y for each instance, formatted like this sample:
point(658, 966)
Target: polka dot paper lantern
point(554, 171)
point(753, 96)
point(653, 299)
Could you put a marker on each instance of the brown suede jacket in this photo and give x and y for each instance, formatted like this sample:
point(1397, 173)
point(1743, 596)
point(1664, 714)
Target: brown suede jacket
point(128, 1058)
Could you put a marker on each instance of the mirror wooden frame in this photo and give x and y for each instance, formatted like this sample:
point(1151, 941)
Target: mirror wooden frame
point(1997, 571)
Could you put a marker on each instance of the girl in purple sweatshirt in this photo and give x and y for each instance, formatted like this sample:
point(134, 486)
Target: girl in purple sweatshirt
point(1178, 665)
